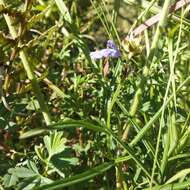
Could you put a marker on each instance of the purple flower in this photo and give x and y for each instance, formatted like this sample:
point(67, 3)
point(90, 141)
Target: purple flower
point(110, 51)
point(111, 44)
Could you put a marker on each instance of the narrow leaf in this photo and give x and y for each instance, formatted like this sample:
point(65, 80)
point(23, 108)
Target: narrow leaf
point(74, 123)
point(32, 133)
point(179, 175)
point(63, 9)
point(78, 178)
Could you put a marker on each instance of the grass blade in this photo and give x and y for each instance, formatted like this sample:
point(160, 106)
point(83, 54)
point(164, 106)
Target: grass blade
point(77, 123)
point(156, 116)
point(63, 9)
point(78, 178)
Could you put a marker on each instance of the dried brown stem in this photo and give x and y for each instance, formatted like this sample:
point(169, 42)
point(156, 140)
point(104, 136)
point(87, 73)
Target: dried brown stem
point(153, 20)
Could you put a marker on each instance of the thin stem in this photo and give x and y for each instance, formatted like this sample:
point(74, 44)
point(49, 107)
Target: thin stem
point(143, 131)
point(30, 74)
point(160, 26)
point(171, 81)
point(154, 47)
point(136, 101)
point(154, 19)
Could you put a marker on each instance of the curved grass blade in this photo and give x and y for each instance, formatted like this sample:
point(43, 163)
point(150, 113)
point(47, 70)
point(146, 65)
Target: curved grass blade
point(78, 178)
point(63, 125)
point(74, 123)
point(32, 133)
point(180, 174)
point(64, 10)
point(129, 150)
point(88, 125)
point(137, 128)
point(173, 186)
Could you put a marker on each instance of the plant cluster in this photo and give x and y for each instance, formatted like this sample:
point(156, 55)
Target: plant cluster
point(77, 115)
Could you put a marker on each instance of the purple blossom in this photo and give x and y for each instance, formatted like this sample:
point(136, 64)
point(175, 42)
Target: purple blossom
point(111, 44)
point(110, 51)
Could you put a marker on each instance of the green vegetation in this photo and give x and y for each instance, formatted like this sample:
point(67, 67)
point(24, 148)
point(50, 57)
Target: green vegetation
point(70, 122)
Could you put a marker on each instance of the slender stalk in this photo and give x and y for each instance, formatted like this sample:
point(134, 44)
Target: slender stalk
point(171, 82)
point(154, 47)
point(154, 19)
point(160, 26)
point(144, 130)
point(136, 101)
point(30, 74)
point(156, 9)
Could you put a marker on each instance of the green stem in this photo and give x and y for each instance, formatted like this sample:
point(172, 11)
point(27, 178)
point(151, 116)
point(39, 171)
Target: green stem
point(160, 26)
point(144, 130)
point(136, 101)
point(30, 74)
point(120, 183)
point(154, 47)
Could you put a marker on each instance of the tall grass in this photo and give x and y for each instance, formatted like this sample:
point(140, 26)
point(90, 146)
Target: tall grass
point(69, 122)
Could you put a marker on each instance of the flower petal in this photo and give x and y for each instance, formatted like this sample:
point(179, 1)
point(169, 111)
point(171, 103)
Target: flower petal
point(108, 52)
point(111, 44)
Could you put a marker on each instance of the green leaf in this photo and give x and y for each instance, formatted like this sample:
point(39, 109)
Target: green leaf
point(31, 182)
point(78, 178)
point(63, 160)
point(40, 153)
point(22, 172)
point(32, 133)
point(130, 151)
point(9, 180)
point(28, 183)
point(173, 186)
point(74, 123)
point(180, 174)
point(62, 125)
point(55, 143)
point(32, 166)
point(33, 105)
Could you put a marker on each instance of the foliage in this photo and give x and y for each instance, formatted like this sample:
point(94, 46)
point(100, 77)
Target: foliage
point(67, 121)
